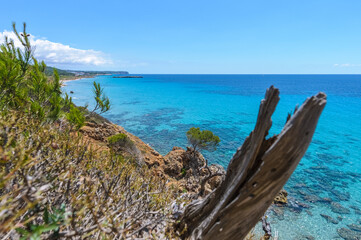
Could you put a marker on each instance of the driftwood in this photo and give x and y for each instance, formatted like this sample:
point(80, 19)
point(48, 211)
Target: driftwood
point(256, 173)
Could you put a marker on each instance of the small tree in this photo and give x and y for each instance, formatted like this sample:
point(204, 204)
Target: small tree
point(102, 101)
point(202, 139)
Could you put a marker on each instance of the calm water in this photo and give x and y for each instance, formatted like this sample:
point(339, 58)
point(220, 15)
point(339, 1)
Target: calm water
point(161, 108)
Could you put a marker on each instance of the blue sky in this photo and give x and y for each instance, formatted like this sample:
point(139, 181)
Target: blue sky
point(259, 36)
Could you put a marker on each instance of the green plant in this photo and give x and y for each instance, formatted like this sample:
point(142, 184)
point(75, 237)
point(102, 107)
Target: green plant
point(26, 86)
point(75, 117)
point(52, 221)
point(23, 83)
point(43, 163)
point(183, 172)
point(202, 139)
point(102, 101)
point(120, 140)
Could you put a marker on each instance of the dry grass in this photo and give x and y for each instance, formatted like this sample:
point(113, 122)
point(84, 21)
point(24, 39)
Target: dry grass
point(53, 186)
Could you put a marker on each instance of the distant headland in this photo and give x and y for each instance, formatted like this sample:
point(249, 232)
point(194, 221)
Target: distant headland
point(74, 74)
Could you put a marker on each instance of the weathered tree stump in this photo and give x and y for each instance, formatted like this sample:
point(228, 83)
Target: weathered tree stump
point(256, 173)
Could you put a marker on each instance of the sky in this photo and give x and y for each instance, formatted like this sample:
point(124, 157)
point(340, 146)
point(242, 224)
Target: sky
point(193, 37)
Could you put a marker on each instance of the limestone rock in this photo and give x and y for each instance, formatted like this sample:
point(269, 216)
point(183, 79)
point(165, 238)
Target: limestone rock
point(329, 219)
point(348, 234)
point(355, 227)
point(281, 198)
point(338, 208)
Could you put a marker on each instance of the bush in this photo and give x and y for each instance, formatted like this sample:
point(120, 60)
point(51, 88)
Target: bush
point(120, 140)
point(25, 86)
point(75, 117)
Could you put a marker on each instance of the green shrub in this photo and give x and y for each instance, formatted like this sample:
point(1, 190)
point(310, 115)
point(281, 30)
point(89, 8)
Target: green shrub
point(120, 140)
point(25, 86)
point(75, 117)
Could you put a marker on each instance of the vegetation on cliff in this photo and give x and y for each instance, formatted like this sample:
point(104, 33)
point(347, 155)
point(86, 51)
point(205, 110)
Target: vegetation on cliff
point(54, 181)
point(66, 172)
point(202, 139)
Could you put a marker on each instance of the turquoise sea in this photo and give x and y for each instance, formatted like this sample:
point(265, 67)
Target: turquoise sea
point(161, 108)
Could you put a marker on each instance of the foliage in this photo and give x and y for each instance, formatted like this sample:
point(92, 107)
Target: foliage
point(63, 73)
point(121, 141)
point(25, 86)
point(23, 83)
point(75, 117)
point(202, 139)
point(52, 221)
point(53, 182)
point(102, 101)
point(118, 138)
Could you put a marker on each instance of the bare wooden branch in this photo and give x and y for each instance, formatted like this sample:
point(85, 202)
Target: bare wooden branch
point(256, 173)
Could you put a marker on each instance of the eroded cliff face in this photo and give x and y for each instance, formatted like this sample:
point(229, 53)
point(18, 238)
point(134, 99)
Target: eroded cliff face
point(181, 167)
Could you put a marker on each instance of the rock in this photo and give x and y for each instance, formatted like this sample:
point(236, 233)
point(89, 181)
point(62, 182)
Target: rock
point(194, 160)
point(329, 219)
point(281, 198)
point(319, 167)
point(338, 208)
point(300, 185)
point(303, 205)
point(214, 182)
point(311, 198)
point(355, 227)
point(278, 213)
point(176, 148)
point(304, 237)
point(309, 237)
point(207, 189)
point(174, 169)
point(348, 234)
point(173, 163)
point(155, 153)
point(327, 186)
point(191, 167)
point(296, 206)
point(341, 196)
point(325, 200)
point(54, 145)
point(355, 207)
point(302, 192)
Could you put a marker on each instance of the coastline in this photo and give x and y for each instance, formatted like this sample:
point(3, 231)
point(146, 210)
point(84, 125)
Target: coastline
point(307, 186)
point(64, 81)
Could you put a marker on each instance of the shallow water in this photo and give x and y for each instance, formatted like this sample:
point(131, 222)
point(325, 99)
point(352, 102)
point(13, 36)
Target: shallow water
point(161, 108)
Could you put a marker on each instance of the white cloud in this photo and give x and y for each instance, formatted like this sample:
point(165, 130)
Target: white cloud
point(58, 54)
point(346, 65)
